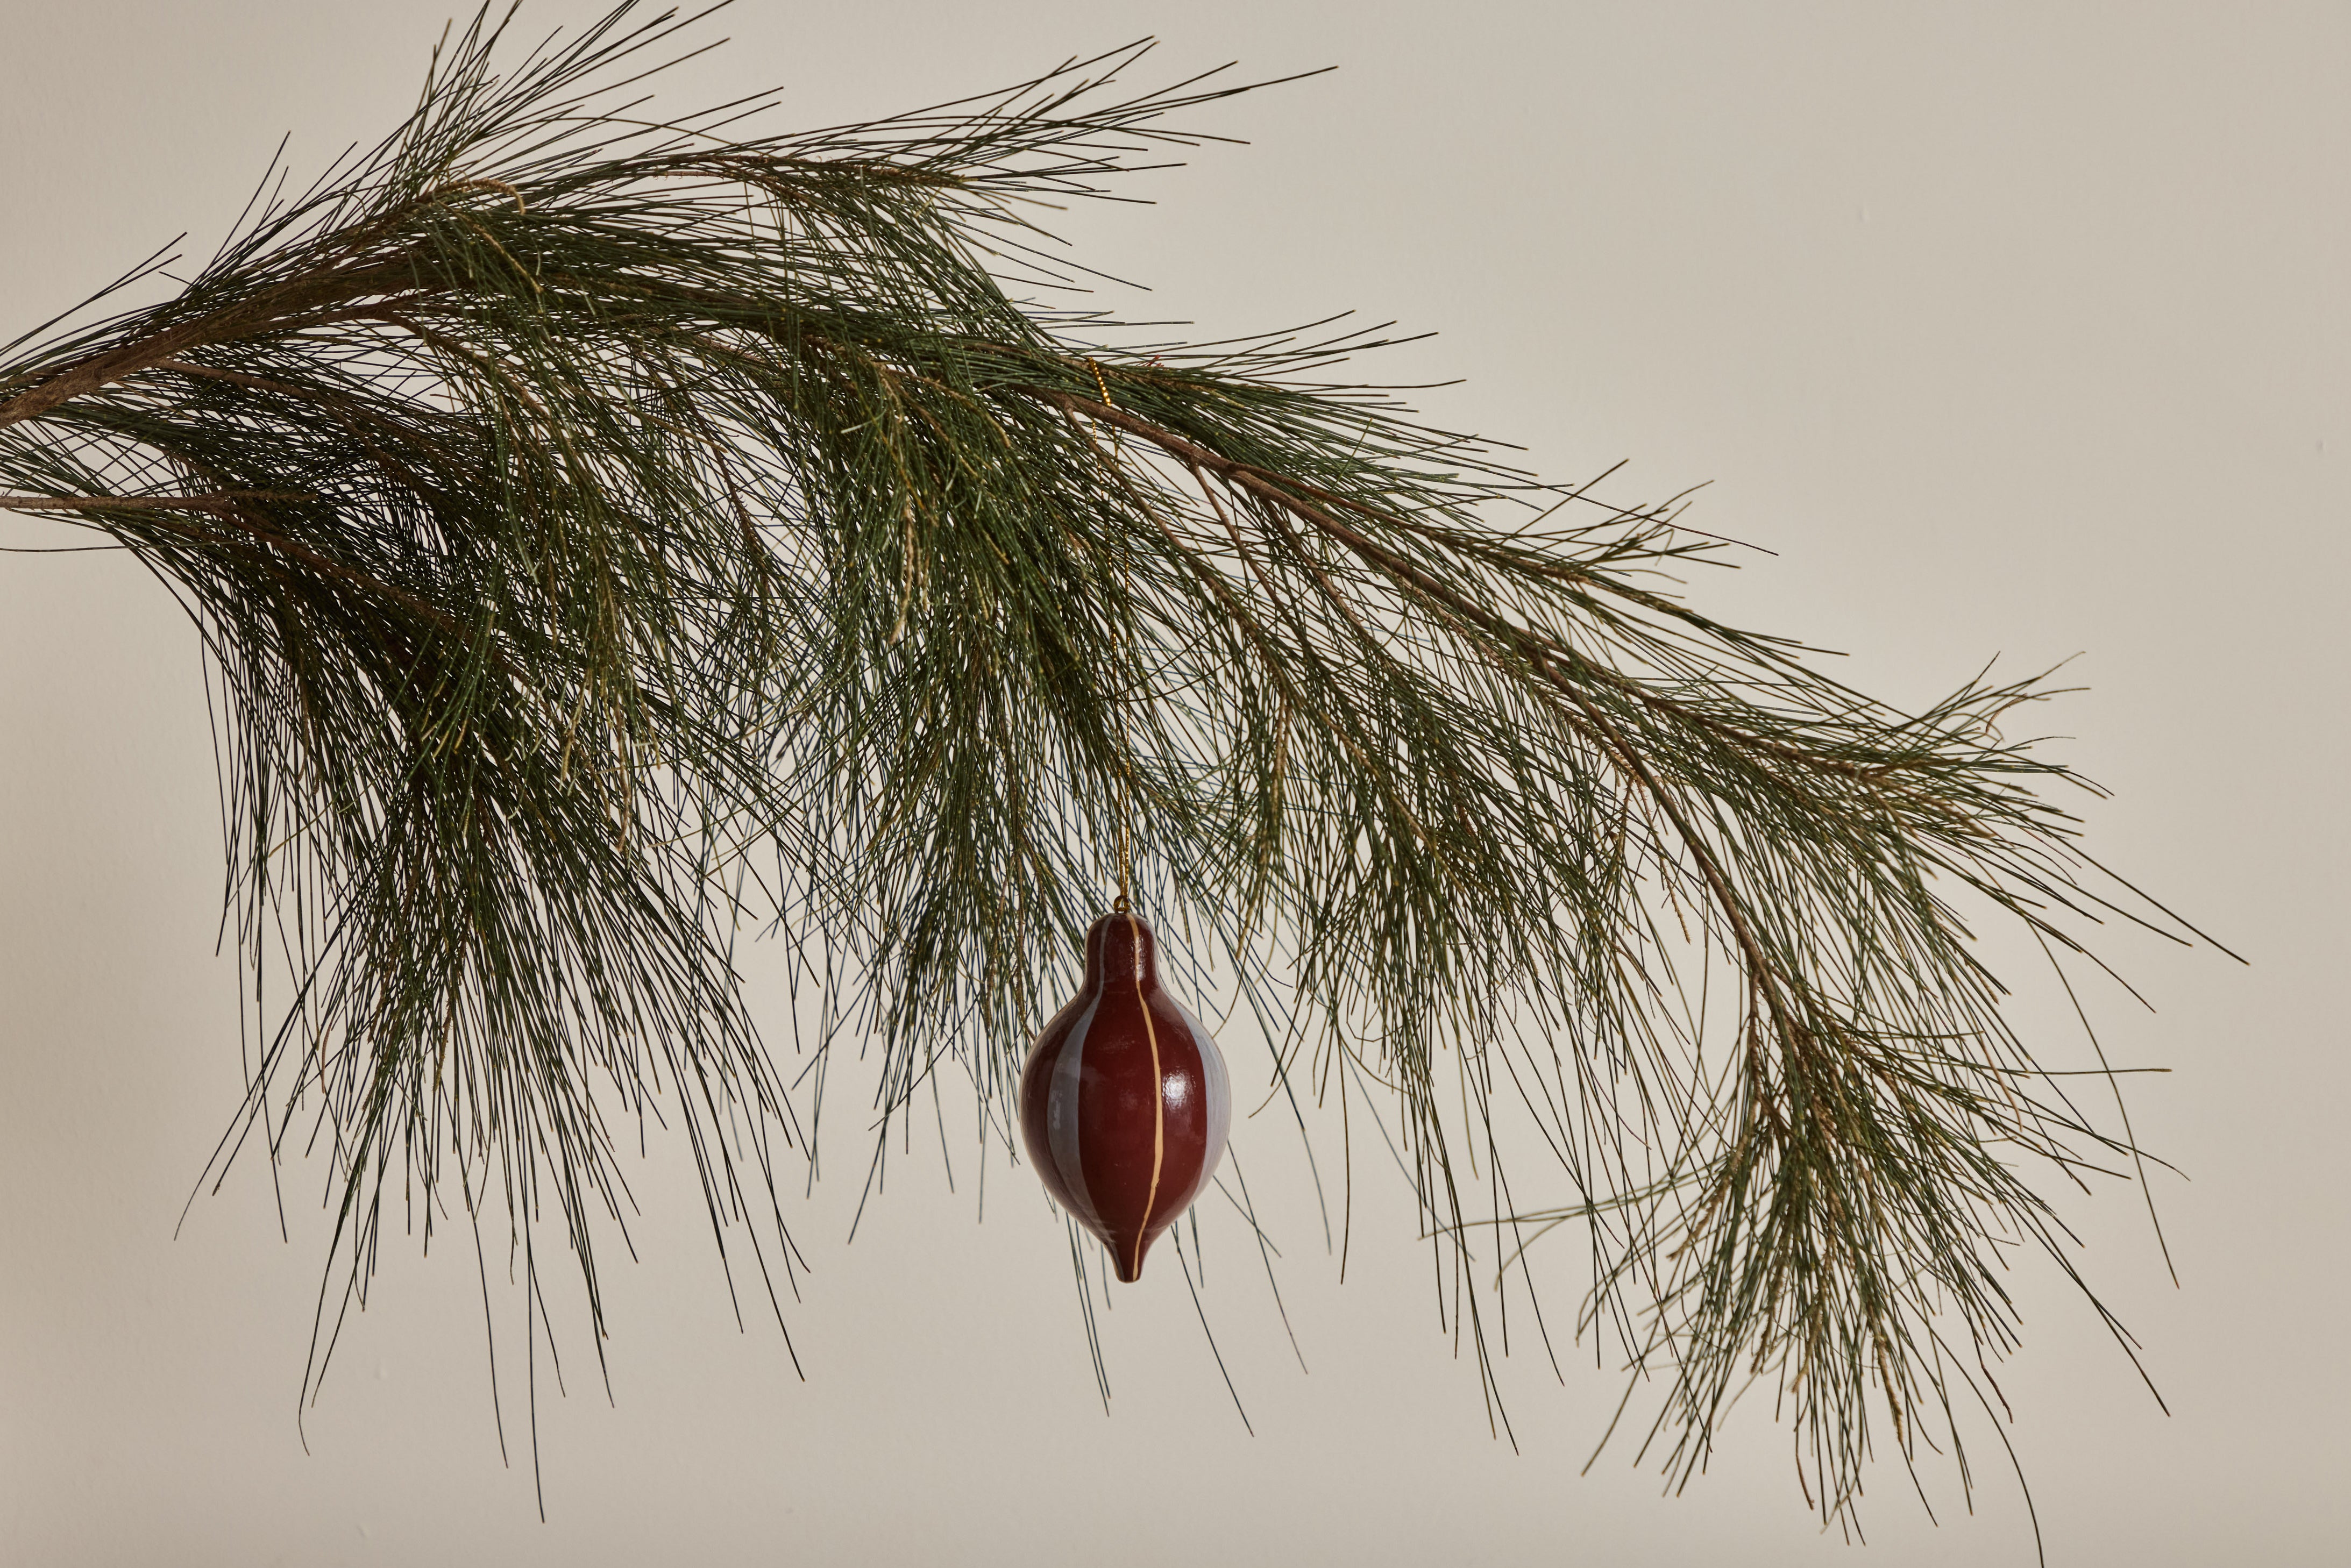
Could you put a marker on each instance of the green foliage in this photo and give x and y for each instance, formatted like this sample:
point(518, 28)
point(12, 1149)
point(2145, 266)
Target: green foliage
point(607, 534)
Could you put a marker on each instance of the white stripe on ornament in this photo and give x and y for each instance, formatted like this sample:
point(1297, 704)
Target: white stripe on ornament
point(1061, 1114)
point(1219, 1095)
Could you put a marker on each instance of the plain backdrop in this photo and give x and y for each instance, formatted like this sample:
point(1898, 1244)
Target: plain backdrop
point(2013, 330)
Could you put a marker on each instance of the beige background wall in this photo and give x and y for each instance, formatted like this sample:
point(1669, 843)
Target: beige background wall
point(2011, 329)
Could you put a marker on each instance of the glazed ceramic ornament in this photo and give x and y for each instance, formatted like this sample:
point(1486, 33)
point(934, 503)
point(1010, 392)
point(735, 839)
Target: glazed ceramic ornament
point(1124, 1104)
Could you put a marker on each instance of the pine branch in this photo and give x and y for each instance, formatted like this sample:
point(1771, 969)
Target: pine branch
point(610, 533)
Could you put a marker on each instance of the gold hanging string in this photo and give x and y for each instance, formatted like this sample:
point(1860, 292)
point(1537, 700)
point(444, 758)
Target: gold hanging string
point(1125, 757)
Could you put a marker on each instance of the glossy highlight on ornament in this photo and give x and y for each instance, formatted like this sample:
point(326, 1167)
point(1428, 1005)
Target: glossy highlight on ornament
point(1125, 1104)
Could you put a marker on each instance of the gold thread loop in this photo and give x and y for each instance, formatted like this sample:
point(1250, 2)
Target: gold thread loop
point(1126, 758)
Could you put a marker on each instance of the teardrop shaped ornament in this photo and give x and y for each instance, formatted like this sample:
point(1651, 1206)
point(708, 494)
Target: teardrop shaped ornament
point(1125, 1105)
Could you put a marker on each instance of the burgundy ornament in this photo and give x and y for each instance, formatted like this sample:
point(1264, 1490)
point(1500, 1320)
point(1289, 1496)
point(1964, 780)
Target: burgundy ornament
point(1124, 1104)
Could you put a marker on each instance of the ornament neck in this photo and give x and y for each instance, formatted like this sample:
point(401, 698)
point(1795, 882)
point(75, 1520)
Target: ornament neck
point(1121, 953)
